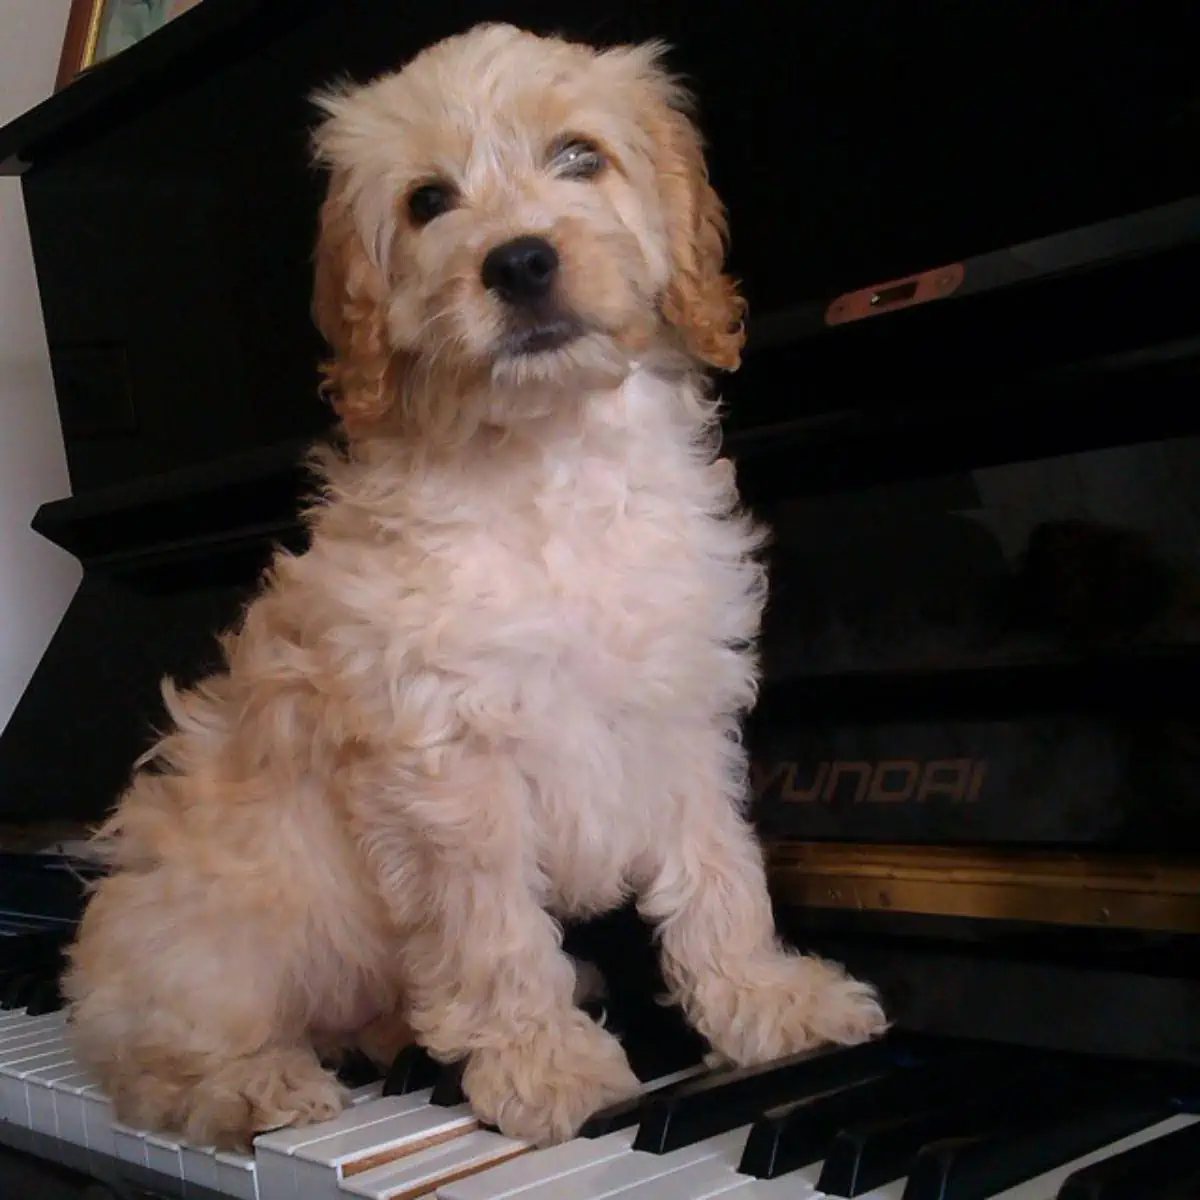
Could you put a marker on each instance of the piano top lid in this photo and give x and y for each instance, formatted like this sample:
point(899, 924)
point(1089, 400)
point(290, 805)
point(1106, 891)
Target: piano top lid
point(214, 32)
point(1147, 232)
point(255, 493)
point(817, 118)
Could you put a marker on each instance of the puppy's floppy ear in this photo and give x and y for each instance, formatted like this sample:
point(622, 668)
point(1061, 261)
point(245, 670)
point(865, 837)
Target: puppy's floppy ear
point(349, 309)
point(701, 301)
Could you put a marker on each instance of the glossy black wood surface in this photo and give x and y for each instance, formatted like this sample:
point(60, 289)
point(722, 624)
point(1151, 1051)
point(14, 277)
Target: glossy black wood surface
point(172, 207)
point(172, 203)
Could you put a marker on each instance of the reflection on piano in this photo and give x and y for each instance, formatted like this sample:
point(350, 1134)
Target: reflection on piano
point(977, 760)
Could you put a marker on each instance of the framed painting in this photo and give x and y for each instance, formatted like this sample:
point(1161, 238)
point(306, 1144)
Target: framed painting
point(97, 30)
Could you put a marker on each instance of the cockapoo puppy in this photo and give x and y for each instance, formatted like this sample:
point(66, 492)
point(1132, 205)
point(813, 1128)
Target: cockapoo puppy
point(503, 686)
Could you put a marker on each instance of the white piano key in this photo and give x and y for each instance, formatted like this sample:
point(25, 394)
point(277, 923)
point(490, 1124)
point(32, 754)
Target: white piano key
point(17, 1043)
point(697, 1182)
point(320, 1166)
point(53, 1073)
point(39, 1093)
point(11, 1074)
point(786, 1187)
point(1047, 1185)
point(519, 1175)
point(288, 1140)
point(237, 1176)
point(422, 1173)
point(198, 1165)
point(28, 1027)
point(369, 1091)
point(51, 1054)
point(529, 1171)
point(14, 1086)
point(714, 1176)
point(718, 1175)
point(129, 1144)
point(41, 1041)
point(164, 1155)
point(98, 1121)
point(45, 1053)
point(635, 1172)
point(69, 1107)
point(274, 1153)
point(61, 1099)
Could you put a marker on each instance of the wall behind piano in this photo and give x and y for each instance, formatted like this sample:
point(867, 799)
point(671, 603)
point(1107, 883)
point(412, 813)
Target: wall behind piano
point(37, 579)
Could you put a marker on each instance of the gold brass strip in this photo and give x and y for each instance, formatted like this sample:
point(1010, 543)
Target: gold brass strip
point(1035, 886)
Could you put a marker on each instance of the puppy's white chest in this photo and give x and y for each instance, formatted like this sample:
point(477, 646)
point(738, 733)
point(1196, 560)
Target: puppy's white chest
point(621, 582)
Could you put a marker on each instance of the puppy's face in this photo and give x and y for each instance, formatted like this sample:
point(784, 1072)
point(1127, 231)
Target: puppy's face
point(507, 215)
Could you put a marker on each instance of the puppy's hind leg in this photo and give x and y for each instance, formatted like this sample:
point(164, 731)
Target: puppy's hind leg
point(183, 1013)
point(271, 1088)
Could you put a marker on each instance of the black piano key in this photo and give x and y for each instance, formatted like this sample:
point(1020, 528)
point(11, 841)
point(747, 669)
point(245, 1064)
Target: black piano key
point(447, 1086)
point(1061, 1124)
point(871, 1151)
point(658, 1041)
point(412, 1071)
point(792, 1136)
point(625, 1113)
point(356, 1070)
point(29, 989)
point(724, 1100)
point(448, 1089)
point(656, 1038)
point(1167, 1168)
point(26, 950)
point(45, 997)
point(19, 989)
point(798, 1134)
point(39, 985)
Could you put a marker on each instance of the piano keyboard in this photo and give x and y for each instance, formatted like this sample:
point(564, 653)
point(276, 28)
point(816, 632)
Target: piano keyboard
point(908, 1118)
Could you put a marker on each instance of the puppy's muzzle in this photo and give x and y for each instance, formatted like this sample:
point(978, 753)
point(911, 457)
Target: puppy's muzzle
point(524, 274)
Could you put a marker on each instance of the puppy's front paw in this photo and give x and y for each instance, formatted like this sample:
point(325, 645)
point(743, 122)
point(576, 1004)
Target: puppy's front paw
point(543, 1090)
point(788, 1004)
point(841, 1009)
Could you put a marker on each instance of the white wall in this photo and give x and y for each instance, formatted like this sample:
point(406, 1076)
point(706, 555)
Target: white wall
point(36, 578)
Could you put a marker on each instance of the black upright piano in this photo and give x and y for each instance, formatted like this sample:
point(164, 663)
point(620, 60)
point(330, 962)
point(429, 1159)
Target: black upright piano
point(970, 411)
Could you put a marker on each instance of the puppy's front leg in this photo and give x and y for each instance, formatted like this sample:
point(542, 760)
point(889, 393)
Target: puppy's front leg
point(754, 1000)
point(484, 974)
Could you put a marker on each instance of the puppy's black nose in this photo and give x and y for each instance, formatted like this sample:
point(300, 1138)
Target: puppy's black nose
point(522, 270)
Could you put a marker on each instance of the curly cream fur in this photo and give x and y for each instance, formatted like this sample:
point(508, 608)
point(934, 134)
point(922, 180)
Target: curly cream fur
point(503, 686)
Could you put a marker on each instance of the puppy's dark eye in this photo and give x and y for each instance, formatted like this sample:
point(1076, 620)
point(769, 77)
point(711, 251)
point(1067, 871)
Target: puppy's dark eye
point(430, 200)
point(576, 158)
